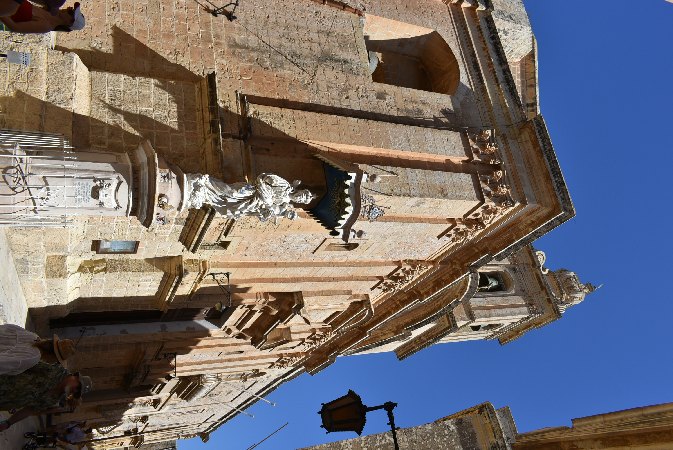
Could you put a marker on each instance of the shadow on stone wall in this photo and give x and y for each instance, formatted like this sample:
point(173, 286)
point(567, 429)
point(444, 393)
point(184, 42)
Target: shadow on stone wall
point(131, 57)
point(90, 133)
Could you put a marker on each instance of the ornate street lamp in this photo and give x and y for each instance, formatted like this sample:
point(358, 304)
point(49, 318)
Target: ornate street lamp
point(348, 413)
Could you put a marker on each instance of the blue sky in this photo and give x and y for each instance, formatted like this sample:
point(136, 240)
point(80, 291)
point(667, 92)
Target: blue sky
point(606, 82)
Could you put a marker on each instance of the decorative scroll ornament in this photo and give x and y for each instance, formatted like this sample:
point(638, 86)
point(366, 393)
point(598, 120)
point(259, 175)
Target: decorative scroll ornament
point(285, 362)
point(270, 197)
point(254, 373)
point(316, 340)
point(496, 192)
point(104, 191)
point(484, 146)
point(369, 209)
point(466, 229)
point(469, 227)
point(401, 278)
point(50, 196)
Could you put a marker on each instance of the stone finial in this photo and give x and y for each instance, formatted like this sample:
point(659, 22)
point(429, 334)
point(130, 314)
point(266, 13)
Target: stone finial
point(568, 289)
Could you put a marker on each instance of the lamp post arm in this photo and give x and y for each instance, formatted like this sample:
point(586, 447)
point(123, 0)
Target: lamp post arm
point(374, 408)
point(391, 422)
point(388, 406)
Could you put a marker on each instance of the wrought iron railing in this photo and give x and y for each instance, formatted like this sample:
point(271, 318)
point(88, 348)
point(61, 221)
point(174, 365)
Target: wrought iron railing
point(24, 199)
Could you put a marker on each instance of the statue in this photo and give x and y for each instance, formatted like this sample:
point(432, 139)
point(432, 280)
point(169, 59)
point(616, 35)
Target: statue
point(270, 197)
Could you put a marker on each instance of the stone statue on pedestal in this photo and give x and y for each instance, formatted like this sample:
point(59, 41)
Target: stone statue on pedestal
point(269, 198)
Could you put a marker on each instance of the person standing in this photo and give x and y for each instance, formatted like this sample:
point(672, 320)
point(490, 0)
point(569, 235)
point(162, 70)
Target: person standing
point(42, 389)
point(21, 349)
point(10, 7)
point(28, 18)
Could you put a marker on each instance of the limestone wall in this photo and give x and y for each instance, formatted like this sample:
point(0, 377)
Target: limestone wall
point(13, 306)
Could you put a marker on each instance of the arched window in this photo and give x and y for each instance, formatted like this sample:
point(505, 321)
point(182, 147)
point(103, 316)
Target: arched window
point(410, 56)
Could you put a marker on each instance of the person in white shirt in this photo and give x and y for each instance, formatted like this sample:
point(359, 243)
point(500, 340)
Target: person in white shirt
point(21, 349)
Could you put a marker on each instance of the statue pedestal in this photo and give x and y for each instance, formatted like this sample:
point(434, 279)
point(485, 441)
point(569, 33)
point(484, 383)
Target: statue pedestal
point(158, 187)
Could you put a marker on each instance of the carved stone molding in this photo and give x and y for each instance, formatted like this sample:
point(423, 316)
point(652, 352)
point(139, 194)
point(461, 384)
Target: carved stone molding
point(465, 229)
point(485, 149)
point(182, 277)
point(484, 146)
point(403, 276)
point(169, 283)
point(196, 227)
point(254, 373)
point(254, 322)
point(194, 387)
point(496, 190)
point(139, 419)
point(369, 209)
point(316, 340)
point(103, 430)
point(497, 193)
point(286, 361)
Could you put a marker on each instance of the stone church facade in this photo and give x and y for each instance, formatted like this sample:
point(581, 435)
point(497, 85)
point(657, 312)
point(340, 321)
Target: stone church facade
point(415, 124)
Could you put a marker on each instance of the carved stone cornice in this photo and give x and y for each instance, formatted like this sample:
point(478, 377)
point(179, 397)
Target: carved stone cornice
point(254, 322)
point(495, 190)
point(497, 193)
point(644, 427)
point(402, 277)
point(117, 411)
point(345, 341)
point(169, 283)
point(538, 128)
point(182, 277)
point(287, 361)
point(468, 227)
point(197, 224)
point(323, 351)
point(442, 326)
point(435, 309)
point(484, 146)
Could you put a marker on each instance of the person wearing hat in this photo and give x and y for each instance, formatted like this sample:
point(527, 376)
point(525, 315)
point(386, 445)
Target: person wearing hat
point(42, 389)
point(30, 19)
point(21, 349)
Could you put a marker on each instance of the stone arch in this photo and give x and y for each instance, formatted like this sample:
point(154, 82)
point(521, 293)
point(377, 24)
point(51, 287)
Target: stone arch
point(410, 56)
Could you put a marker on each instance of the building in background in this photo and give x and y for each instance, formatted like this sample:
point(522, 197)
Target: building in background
point(416, 127)
point(485, 428)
